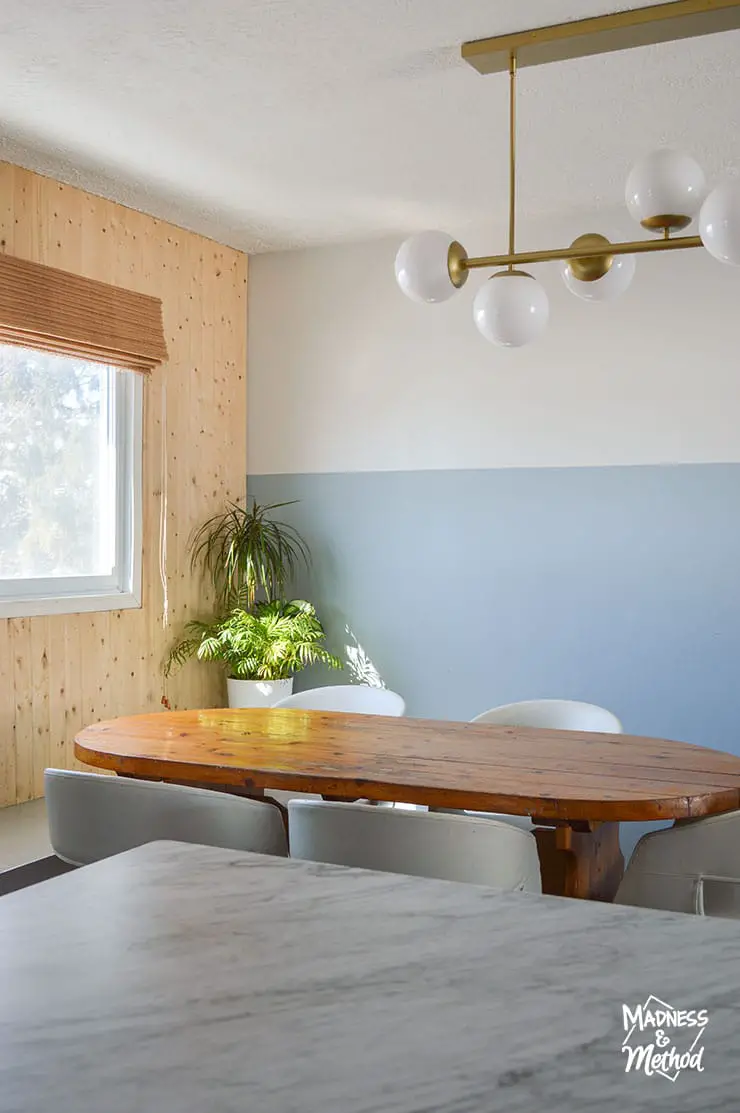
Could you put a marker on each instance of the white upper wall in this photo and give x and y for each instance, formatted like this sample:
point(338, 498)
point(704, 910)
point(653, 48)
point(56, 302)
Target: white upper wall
point(346, 374)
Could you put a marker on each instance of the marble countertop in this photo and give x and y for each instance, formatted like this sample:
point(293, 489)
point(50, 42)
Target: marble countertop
point(183, 979)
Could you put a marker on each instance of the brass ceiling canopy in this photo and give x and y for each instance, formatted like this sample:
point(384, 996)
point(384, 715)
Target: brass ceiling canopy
point(665, 191)
point(604, 34)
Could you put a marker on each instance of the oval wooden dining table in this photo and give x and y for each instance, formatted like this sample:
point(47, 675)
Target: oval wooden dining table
point(576, 786)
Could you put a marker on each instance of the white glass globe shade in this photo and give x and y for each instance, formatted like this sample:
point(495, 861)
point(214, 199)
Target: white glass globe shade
point(719, 222)
point(608, 287)
point(665, 183)
point(421, 267)
point(511, 309)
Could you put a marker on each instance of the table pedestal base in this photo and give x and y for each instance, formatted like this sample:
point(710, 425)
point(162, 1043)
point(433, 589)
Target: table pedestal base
point(581, 860)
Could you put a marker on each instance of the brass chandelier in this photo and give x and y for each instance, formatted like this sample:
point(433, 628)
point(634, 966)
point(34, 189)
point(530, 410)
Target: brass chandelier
point(665, 191)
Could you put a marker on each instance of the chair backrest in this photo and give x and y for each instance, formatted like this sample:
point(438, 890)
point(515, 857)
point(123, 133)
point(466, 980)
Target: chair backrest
point(667, 866)
point(556, 714)
point(92, 816)
point(422, 844)
point(359, 699)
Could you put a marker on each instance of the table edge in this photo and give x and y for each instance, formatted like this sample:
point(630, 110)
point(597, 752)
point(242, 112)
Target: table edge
point(653, 809)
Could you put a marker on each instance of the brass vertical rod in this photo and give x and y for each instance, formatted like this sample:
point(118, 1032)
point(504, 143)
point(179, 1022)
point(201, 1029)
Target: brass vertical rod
point(512, 155)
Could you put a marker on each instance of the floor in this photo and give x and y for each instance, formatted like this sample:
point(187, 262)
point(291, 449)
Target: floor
point(23, 834)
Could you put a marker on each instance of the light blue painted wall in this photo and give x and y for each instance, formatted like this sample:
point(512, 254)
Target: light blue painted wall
point(466, 589)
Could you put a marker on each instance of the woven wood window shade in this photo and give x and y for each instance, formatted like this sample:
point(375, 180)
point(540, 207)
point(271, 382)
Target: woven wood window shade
point(41, 307)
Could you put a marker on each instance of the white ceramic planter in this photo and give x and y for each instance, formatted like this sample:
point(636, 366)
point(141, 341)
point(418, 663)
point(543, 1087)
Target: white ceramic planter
point(257, 693)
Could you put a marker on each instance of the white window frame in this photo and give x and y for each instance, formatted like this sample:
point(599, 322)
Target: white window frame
point(27, 598)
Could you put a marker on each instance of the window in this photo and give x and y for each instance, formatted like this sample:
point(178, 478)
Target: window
point(70, 484)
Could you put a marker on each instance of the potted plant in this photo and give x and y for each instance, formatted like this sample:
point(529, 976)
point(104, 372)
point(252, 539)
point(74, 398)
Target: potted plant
point(248, 555)
point(260, 638)
point(261, 649)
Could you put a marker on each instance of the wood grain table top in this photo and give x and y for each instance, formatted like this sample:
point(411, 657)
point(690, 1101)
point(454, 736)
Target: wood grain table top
point(554, 774)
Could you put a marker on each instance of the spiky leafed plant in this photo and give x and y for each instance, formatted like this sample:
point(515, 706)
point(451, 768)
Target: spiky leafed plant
point(273, 642)
point(245, 553)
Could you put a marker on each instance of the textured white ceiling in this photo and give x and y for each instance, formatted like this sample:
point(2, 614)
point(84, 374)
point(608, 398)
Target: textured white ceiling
point(280, 123)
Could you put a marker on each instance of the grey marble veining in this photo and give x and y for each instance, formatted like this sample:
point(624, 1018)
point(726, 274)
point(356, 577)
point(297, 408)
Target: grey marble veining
point(181, 979)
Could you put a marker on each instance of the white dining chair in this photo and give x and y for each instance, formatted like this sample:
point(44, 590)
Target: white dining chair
point(693, 866)
point(92, 816)
point(552, 714)
point(356, 699)
point(422, 844)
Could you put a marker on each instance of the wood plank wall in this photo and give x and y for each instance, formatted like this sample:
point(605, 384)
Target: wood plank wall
point(60, 672)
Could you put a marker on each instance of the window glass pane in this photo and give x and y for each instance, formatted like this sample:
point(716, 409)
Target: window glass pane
point(57, 466)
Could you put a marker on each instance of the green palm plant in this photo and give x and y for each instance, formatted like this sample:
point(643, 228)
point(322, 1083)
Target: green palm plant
point(246, 553)
point(276, 640)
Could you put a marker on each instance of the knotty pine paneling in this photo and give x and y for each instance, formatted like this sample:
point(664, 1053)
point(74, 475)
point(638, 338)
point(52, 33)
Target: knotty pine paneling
point(60, 672)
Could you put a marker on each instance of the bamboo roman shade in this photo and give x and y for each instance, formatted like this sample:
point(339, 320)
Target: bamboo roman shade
point(41, 307)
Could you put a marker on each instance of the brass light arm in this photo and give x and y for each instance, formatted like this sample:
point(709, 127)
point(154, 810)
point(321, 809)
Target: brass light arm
point(637, 247)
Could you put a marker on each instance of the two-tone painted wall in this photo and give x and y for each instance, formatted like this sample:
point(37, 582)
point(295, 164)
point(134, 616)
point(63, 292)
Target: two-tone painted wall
point(488, 526)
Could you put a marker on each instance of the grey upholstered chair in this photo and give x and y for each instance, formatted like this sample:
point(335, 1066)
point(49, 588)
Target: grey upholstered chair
point(92, 816)
point(422, 844)
point(691, 867)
